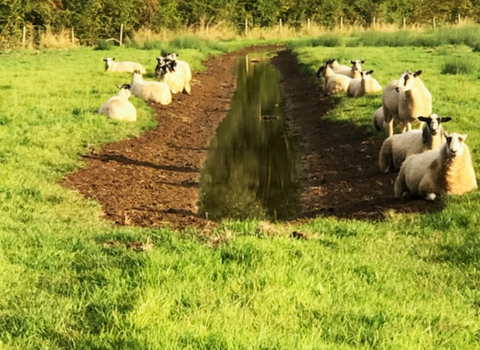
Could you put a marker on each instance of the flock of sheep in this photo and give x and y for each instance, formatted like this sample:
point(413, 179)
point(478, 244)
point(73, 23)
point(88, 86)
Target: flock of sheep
point(174, 76)
point(431, 162)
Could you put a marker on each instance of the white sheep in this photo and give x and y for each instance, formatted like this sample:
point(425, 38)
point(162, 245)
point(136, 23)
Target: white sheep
point(333, 83)
point(396, 148)
point(378, 120)
point(390, 98)
point(180, 66)
point(346, 70)
point(119, 107)
point(176, 80)
point(448, 170)
point(150, 91)
point(123, 67)
point(414, 100)
point(366, 84)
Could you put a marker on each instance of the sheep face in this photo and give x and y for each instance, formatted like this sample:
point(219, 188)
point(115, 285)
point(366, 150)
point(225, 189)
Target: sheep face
point(108, 62)
point(357, 65)
point(455, 144)
point(433, 122)
point(407, 81)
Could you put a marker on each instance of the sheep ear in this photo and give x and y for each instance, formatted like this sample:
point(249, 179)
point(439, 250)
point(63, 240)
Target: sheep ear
point(445, 119)
point(370, 71)
point(352, 62)
point(425, 119)
point(417, 73)
point(463, 137)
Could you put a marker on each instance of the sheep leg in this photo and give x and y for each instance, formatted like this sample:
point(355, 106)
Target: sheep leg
point(390, 127)
point(430, 196)
point(401, 189)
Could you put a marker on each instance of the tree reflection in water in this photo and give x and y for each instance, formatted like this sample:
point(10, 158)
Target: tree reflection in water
point(253, 166)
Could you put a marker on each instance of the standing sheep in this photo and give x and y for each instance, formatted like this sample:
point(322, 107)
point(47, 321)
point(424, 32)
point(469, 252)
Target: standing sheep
point(119, 107)
point(448, 170)
point(365, 85)
point(414, 100)
point(390, 98)
point(397, 148)
point(150, 91)
point(176, 80)
point(122, 67)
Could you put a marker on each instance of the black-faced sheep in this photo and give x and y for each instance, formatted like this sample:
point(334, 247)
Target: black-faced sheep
point(150, 91)
point(176, 80)
point(122, 67)
point(446, 171)
point(119, 107)
point(397, 148)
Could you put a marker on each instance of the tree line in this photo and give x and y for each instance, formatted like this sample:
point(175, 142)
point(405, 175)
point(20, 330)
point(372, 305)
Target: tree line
point(94, 19)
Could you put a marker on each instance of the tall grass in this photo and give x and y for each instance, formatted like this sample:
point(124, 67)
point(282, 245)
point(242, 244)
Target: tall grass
point(69, 280)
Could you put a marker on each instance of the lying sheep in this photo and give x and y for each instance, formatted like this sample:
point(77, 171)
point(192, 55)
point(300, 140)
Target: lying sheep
point(448, 170)
point(333, 83)
point(119, 107)
point(366, 84)
point(346, 70)
point(378, 120)
point(397, 148)
point(177, 81)
point(122, 67)
point(414, 100)
point(150, 91)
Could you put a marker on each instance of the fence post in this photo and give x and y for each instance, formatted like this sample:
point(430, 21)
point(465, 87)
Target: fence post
point(459, 19)
point(73, 37)
point(207, 30)
point(280, 24)
point(246, 27)
point(341, 24)
point(404, 23)
point(121, 34)
point(308, 24)
point(24, 35)
point(434, 24)
point(374, 24)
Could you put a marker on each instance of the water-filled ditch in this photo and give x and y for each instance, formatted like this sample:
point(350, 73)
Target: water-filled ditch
point(253, 166)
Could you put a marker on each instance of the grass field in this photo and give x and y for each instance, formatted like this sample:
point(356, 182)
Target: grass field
point(409, 282)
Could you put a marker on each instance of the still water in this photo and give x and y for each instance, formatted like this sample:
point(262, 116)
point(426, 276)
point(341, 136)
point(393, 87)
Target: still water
point(253, 166)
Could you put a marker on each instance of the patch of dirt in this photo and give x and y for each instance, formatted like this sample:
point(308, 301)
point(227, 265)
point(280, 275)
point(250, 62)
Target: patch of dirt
point(153, 180)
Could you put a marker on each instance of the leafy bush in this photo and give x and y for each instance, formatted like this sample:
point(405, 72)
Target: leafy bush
point(458, 65)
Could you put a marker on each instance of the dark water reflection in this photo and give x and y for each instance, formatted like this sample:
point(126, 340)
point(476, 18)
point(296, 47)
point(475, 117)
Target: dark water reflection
point(253, 167)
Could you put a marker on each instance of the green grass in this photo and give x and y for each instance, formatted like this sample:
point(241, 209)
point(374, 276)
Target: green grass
point(409, 282)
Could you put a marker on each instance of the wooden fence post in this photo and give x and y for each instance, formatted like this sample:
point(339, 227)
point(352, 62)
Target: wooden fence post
point(73, 37)
point(434, 24)
point(246, 27)
point(24, 35)
point(374, 24)
point(404, 23)
point(121, 34)
point(341, 24)
point(308, 24)
point(280, 24)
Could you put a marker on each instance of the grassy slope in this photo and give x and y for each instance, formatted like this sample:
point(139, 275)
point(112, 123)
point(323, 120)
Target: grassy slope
point(409, 282)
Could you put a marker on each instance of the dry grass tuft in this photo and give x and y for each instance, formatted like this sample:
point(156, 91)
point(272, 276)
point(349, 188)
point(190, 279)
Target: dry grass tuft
point(63, 39)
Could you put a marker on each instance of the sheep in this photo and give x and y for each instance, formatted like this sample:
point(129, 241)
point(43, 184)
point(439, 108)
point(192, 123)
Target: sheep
point(119, 107)
point(179, 66)
point(122, 67)
point(378, 120)
point(445, 171)
point(390, 98)
point(176, 80)
point(366, 84)
point(150, 91)
point(397, 148)
point(333, 83)
point(346, 70)
point(414, 100)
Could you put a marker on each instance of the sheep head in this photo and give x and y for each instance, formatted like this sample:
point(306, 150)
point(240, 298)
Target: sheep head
point(454, 145)
point(407, 81)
